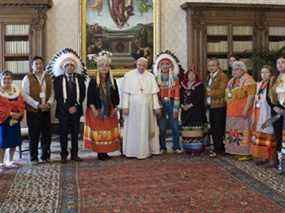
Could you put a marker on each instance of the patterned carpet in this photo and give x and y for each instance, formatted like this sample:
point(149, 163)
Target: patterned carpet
point(168, 183)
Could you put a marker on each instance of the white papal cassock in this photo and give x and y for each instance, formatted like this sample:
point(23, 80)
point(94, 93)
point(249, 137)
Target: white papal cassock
point(141, 133)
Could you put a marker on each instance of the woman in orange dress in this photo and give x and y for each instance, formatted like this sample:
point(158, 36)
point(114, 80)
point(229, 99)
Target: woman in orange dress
point(11, 112)
point(240, 93)
point(263, 146)
point(101, 131)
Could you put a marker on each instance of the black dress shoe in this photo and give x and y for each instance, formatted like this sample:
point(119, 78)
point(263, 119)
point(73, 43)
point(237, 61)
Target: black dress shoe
point(63, 160)
point(102, 156)
point(78, 159)
point(106, 156)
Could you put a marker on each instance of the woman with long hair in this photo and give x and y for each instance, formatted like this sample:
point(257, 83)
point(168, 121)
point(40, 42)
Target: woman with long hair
point(263, 146)
point(101, 131)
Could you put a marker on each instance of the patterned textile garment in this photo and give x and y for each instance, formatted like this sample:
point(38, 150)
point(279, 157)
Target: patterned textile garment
point(10, 132)
point(169, 92)
point(166, 69)
point(195, 97)
point(278, 99)
point(169, 96)
point(238, 136)
point(263, 144)
point(194, 118)
point(101, 133)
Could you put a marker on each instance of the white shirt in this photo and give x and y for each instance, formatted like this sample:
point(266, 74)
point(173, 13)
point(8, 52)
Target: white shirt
point(26, 91)
point(212, 77)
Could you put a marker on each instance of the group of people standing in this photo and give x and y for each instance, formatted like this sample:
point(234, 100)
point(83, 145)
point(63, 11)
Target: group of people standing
point(245, 117)
point(252, 113)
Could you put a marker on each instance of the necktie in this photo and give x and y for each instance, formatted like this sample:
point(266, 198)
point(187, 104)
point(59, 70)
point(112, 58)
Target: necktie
point(70, 79)
point(71, 88)
point(70, 82)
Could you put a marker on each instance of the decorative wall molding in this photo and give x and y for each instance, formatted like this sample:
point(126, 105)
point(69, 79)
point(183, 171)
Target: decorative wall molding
point(26, 3)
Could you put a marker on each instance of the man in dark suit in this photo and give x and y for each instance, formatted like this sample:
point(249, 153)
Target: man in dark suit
point(69, 93)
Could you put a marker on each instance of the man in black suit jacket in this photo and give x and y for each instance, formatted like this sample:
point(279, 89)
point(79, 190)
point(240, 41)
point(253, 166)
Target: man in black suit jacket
point(69, 93)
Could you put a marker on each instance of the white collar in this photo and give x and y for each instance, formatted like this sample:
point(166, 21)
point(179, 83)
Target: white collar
point(140, 72)
point(15, 94)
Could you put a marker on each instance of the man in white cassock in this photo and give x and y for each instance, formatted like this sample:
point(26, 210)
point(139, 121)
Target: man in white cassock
point(140, 107)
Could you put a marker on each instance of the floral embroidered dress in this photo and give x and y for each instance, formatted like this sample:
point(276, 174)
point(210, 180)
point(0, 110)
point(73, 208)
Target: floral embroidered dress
point(238, 137)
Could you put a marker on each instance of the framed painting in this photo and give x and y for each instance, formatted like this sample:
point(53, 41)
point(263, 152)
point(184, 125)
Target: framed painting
point(128, 29)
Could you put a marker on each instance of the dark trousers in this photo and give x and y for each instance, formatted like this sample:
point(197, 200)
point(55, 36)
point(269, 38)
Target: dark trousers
point(278, 128)
point(217, 117)
point(39, 128)
point(167, 118)
point(69, 124)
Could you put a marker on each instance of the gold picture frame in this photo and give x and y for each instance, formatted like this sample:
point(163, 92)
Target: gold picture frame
point(118, 72)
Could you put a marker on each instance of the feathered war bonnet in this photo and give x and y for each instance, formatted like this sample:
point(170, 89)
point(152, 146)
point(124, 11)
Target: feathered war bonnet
point(104, 57)
point(66, 56)
point(169, 58)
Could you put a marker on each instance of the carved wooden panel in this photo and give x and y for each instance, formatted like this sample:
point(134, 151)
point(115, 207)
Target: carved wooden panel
point(259, 17)
point(31, 13)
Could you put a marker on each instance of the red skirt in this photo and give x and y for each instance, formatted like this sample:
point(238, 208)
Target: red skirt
point(101, 134)
point(263, 145)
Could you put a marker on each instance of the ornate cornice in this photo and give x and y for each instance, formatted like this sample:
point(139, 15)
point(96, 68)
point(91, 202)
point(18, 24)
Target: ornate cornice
point(261, 21)
point(39, 18)
point(197, 18)
point(26, 3)
point(195, 5)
